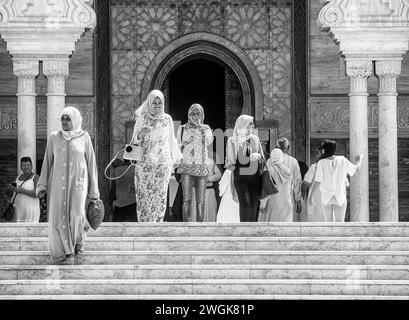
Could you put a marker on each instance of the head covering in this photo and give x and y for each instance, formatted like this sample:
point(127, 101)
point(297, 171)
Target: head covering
point(76, 120)
point(195, 122)
point(277, 168)
point(146, 108)
point(283, 143)
point(240, 132)
point(329, 147)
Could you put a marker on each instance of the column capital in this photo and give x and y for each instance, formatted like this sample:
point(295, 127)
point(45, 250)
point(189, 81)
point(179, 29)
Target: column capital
point(56, 68)
point(358, 68)
point(25, 68)
point(390, 68)
point(388, 71)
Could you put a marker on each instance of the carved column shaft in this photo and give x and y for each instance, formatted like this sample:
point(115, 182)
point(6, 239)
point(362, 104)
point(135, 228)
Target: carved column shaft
point(359, 71)
point(56, 72)
point(387, 72)
point(26, 71)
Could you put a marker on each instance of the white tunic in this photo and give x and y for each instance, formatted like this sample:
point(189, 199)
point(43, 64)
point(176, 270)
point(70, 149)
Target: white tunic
point(331, 173)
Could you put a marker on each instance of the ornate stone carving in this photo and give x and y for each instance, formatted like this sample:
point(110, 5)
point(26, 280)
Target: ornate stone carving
point(332, 118)
point(56, 71)
point(339, 12)
point(247, 26)
point(155, 26)
point(55, 68)
point(383, 26)
point(202, 18)
point(58, 25)
point(358, 68)
point(26, 71)
point(358, 71)
point(217, 47)
point(25, 68)
point(387, 71)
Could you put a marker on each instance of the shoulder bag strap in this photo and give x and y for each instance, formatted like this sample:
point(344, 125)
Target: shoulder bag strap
point(15, 195)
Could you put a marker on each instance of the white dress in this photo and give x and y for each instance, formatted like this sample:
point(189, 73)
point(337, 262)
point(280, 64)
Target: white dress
point(27, 209)
point(229, 210)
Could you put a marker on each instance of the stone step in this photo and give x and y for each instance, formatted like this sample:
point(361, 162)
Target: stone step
point(201, 297)
point(242, 287)
point(212, 229)
point(362, 272)
point(214, 257)
point(216, 243)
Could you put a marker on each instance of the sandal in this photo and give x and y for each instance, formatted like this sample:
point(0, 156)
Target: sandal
point(78, 249)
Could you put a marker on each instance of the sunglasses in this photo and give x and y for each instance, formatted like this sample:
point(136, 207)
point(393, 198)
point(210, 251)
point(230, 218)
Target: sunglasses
point(65, 118)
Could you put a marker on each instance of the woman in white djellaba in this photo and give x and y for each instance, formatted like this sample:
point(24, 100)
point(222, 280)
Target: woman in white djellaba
point(69, 175)
point(278, 207)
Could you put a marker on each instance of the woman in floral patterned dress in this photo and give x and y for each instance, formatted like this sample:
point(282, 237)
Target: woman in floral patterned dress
point(193, 139)
point(154, 133)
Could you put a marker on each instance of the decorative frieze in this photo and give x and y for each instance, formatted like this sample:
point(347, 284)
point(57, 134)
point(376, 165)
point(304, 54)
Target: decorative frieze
point(8, 119)
point(332, 118)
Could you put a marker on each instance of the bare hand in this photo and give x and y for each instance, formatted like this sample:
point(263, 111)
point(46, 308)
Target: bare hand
point(255, 156)
point(359, 157)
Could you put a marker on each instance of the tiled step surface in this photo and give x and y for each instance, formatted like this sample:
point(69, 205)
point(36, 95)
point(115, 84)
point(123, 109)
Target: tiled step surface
point(209, 229)
point(216, 243)
point(215, 257)
point(353, 272)
point(205, 286)
point(211, 261)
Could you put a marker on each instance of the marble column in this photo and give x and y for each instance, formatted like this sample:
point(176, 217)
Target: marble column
point(56, 71)
point(358, 72)
point(26, 71)
point(387, 72)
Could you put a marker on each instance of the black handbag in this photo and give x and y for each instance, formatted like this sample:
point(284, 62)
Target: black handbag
point(95, 213)
point(268, 185)
point(8, 213)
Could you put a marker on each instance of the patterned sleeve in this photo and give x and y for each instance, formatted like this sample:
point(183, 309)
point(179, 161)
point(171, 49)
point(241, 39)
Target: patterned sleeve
point(209, 135)
point(230, 154)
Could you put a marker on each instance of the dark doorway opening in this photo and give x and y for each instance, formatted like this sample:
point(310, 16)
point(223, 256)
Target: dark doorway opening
point(198, 81)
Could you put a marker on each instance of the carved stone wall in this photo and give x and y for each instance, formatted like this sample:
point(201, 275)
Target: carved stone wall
point(330, 116)
point(141, 29)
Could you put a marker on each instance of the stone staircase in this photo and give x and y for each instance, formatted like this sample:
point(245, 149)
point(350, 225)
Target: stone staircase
point(212, 261)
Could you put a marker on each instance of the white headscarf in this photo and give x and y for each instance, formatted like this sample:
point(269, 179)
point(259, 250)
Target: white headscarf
point(76, 119)
point(146, 108)
point(276, 166)
point(240, 132)
point(191, 121)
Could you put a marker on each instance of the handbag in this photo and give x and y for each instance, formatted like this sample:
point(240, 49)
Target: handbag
point(178, 176)
point(9, 211)
point(268, 185)
point(95, 213)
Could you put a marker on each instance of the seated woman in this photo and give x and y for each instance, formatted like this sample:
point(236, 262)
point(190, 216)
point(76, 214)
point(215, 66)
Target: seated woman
point(26, 203)
point(278, 207)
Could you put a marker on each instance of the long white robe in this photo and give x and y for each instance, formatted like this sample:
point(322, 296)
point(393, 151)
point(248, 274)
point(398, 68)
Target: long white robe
point(229, 210)
point(69, 173)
